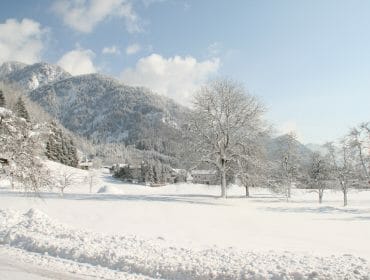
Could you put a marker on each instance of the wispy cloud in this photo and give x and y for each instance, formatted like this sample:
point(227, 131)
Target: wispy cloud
point(111, 50)
point(84, 15)
point(132, 49)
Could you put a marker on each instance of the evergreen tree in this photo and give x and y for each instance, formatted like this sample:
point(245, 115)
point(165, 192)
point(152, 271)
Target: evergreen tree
point(147, 173)
point(2, 99)
point(60, 147)
point(20, 109)
point(72, 154)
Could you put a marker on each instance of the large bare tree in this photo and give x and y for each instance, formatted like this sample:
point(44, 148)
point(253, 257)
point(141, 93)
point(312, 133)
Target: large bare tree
point(225, 121)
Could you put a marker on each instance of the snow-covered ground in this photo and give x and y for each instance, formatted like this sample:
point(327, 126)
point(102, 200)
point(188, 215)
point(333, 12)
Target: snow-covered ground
point(123, 231)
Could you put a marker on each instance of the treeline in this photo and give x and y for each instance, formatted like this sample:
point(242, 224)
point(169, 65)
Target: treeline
point(149, 172)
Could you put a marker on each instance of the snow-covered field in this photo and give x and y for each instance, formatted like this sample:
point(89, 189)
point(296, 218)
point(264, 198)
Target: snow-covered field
point(123, 231)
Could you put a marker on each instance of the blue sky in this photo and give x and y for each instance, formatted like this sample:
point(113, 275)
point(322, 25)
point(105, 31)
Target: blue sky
point(308, 61)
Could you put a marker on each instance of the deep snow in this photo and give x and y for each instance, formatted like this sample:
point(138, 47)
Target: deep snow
point(186, 232)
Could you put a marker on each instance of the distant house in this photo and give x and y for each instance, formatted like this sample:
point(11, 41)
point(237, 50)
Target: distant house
point(86, 165)
point(3, 162)
point(180, 175)
point(206, 177)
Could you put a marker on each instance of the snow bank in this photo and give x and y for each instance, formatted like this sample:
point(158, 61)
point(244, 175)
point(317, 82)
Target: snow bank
point(34, 231)
point(110, 190)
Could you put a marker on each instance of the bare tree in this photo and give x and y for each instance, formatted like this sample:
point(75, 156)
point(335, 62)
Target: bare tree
point(92, 179)
point(225, 117)
point(252, 164)
point(286, 168)
point(65, 179)
point(319, 174)
point(359, 142)
point(342, 167)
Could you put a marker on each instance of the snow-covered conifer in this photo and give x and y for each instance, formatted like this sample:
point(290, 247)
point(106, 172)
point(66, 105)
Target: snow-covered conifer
point(20, 109)
point(19, 146)
point(2, 99)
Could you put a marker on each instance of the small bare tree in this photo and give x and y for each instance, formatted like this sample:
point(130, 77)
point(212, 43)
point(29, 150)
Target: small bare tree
point(65, 179)
point(92, 179)
point(359, 143)
point(342, 167)
point(252, 164)
point(319, 174)
point(224, 118)
point(285, 169)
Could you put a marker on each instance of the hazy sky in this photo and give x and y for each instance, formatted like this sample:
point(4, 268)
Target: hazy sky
point(308, 61)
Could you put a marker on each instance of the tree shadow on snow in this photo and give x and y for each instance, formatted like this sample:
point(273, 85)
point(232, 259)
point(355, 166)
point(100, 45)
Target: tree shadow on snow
point(182, 198)
point(348, 219)
point(317, 210)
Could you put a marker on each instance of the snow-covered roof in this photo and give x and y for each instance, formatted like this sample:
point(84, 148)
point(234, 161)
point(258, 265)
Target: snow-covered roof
point(204, 172)
point(178, 171)
point(87, 163)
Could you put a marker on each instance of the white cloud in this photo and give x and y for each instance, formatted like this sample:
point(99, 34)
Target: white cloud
point(111, 50)
point(84, 15)
point(176, 77)
point(21, 40)
point(132, 49)
point(78, 62)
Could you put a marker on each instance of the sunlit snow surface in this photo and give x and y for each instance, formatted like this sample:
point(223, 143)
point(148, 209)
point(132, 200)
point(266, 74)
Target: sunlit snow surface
point(182, 232)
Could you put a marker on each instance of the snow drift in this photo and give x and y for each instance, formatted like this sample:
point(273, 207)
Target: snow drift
point(34, 231)
point(110, 190)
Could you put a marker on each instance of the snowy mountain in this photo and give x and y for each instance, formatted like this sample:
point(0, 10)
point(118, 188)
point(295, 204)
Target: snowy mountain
point(105, 110)
point(9, 67)
point(30, 77)
point(274, 144)
point(317, 148)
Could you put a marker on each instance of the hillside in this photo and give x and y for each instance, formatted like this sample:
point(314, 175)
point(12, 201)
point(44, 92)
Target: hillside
point(104, 110)
point(107, 111)
point(275, 144)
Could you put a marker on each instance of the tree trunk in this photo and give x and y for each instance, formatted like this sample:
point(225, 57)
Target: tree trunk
point(290, 189)
point(223, 178)
point(345, 199)
point(246, 190)
point(363, 163)
point(12, 182)
point(91, 183)
point(321, 194)
point(223, 183)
